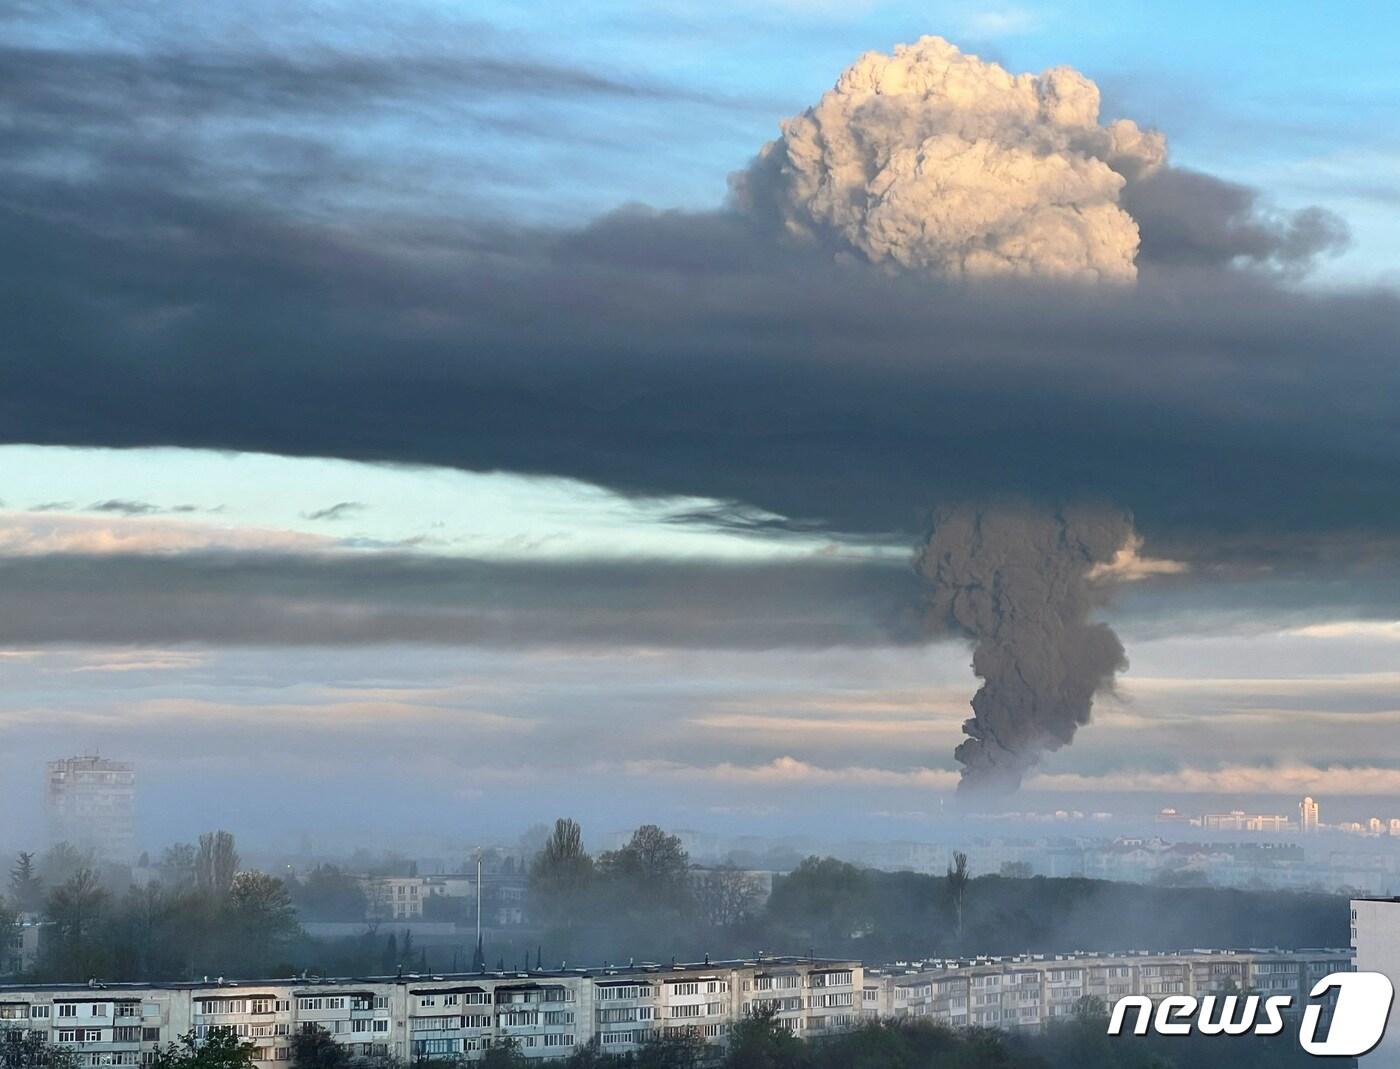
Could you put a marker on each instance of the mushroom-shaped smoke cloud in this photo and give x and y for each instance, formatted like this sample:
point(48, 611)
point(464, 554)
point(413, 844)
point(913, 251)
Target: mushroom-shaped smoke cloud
point(933, 160)
point(1020, 582)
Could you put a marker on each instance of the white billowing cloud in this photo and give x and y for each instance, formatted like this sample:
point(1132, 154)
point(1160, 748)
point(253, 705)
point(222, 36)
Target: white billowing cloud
point(1129, 565)
point(933, 160)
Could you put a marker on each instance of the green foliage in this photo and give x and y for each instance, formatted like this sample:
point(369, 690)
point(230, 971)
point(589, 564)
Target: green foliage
point(216, 864)
point(9, 925)
point(327, 893)
point(62, 862)
point(827, 901)
point(505, 1055)
point(561, 873)
point(653, 866)
point(26, 886)
point(762, 1042)
point(315, 1048)
point(958, 878)
point(220, 1049)
point(170, 933)
point(22, 1049)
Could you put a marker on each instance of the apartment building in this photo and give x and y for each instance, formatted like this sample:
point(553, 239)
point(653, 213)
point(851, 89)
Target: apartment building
point(547, 1014)
point(1026, 992)
point(1375, 935)
point(408, 898)
point(91, 805)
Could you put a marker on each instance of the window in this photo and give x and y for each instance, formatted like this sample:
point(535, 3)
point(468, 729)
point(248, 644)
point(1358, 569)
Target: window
point(67, 1009)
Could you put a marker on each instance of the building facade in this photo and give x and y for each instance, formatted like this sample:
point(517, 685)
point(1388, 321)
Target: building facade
point(1375, 935)
point(1027, 992)
point(546, 1014)
point(91, 805)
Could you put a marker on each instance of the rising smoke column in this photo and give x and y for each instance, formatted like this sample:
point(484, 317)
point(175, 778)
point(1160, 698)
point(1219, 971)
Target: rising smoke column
point(935, 161)
point(1020, 583)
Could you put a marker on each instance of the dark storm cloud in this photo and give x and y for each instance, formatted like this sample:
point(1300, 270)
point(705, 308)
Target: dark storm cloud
point(154, 294)
point(263, 600)
point(105, 85)
point(1190, 218)
point(1217, 406)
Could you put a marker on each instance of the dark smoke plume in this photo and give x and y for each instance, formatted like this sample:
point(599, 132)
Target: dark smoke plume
point(1019, 582)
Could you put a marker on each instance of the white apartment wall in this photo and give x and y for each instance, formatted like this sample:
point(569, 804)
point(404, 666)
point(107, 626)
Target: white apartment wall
point(1030, 992)
point(1375, 934)
point(548, 1015)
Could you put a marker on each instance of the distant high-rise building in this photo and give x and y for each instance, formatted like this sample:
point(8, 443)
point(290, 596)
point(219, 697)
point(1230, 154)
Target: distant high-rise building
point(1307, 814)
point(92, 806)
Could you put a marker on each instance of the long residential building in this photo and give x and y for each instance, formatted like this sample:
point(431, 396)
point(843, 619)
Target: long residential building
point(547, 1014)
point(1028, 991)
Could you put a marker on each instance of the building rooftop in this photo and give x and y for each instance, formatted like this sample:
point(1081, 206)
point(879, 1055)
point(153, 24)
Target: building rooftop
point(601, 972)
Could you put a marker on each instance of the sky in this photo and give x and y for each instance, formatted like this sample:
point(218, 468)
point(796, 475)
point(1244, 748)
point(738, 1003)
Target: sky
point(426, 422)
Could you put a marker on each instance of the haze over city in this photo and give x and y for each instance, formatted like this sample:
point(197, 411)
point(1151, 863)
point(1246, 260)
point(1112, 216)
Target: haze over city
point(420, 423)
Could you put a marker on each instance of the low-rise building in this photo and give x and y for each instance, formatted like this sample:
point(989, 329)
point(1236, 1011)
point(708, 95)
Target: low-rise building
point(1029, 991)
point(546, 1014)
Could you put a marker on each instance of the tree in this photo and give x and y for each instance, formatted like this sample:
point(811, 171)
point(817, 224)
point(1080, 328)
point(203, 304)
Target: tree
point(725, 896)
point(957, 885)
point(262, 915)
point(23, 1049)
point(390, 961)
point(216, 863)
point(75, 908)
point(561, 872)
point(329, 894)
point(315, 1048)
point(26, 888)
point(9, 925)
point(653, 863)
point(504, 1055)
point(826, 900)
point(63, 861)
point(762, 1041)
point(220, 1049)
point(177, 864)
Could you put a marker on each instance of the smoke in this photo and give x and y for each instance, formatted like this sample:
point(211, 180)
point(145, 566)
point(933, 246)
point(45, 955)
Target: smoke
point(933, 160)
point(1020, 582)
